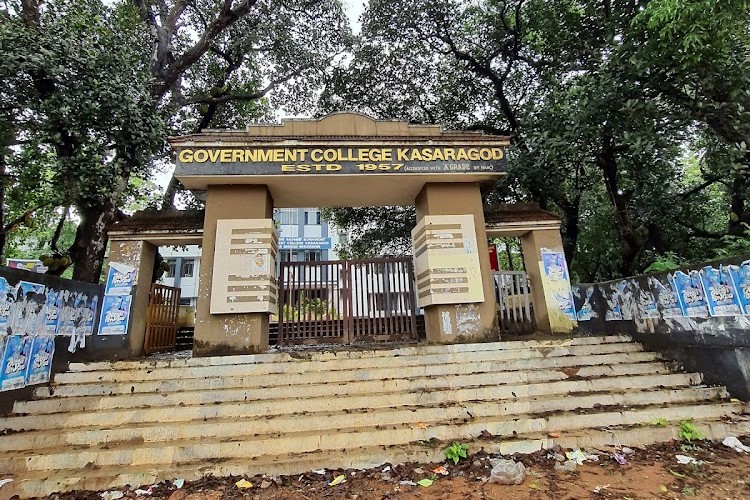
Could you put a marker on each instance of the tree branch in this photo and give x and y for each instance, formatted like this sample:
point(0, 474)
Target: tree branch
point(58, 230)
point(699, 232)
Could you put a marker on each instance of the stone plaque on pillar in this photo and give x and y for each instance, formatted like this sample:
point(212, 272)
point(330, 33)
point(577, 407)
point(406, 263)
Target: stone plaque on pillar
point(446, 260)
point(244, 267)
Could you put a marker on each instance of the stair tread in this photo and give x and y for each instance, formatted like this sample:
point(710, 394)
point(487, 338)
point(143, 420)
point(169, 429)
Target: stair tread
point(241, 395)
point(687, 410)
point(302, 356)
point(701, 393)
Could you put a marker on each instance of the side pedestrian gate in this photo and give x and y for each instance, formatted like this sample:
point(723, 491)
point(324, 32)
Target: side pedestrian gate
point(161, 318)
point(370, 300)
point(513, 301)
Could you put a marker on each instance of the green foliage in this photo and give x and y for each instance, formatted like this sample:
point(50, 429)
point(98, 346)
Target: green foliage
point(630, 120)
point(661, 263)
point(659, 422)
point(689, 432)
point(310, 308)
point(456, 451)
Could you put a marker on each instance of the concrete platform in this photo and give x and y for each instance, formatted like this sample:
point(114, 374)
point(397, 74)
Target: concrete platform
point(104, 425)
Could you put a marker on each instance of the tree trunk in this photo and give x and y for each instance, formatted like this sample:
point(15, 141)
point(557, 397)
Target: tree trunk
point(738, 216)
point(630, 244)
point(90, 246)
point(570, 230)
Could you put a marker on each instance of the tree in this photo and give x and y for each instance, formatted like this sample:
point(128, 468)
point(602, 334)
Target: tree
point(593, 137)
point(101, 86)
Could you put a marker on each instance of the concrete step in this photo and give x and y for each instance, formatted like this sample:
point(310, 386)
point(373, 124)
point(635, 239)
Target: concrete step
point(465, 370)
point(242, 424)
point(273, 407)
point(332, 397)
point(298, 366)
point(352, 352)
point(178, 453)
point(104, 478)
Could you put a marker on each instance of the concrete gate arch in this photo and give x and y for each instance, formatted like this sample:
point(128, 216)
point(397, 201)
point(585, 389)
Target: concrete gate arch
point(340, 160)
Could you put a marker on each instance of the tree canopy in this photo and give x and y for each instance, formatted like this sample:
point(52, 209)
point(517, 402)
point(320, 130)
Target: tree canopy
point(628, 118)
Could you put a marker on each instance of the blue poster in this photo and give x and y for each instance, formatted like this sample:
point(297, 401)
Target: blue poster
point(614, 306)
point(89, 315)
point(555, 266)
point(583, 296)
point(51, 311)
point(115, 315)
point(741, 278)
point(15, 361)
point(556, 270)
point(647, 308)
point(28, 290)
point(628, 291)
point(690, 294)
point(665, 294)
point(6, 299)
point(40, 364)
point(721, 297)
point(120, 279)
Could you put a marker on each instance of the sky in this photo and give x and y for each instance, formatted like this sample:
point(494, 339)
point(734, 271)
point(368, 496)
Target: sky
point(352, 8)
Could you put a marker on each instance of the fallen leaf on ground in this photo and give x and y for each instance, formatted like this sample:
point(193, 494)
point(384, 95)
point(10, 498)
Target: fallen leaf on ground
point(337, 480)
point(440, 470)
point(243, 484)
point(425, 482)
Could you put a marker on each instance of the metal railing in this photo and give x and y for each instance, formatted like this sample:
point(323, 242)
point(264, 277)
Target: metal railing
point(347, 301)
point(514, 301)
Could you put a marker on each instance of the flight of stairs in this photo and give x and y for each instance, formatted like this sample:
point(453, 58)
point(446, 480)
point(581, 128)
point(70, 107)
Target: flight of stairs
point(105, 425)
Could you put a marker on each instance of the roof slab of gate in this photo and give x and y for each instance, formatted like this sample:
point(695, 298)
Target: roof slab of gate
point(340, 160)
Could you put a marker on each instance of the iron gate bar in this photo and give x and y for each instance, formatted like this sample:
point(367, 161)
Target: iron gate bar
point(514, 314)
point(162, 313)
point(347, 301)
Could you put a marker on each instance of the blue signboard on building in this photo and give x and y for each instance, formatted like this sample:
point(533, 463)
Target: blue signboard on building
point(304, 242)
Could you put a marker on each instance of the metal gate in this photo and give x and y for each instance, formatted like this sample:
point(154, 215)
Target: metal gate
point(513, 301)
point(370, 300)
point(161, 318)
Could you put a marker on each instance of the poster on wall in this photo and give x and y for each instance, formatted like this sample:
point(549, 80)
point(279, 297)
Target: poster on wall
point(555, 269)
point(647, 306)
point(612, 297)
point(665, 294)
point(120, 279)
point(51, 310)
point(115, 315)
point(5, 301)
point(628, 290)
point(582, 298)
point(690, 294)
point(15, 362)
point(721, 297)
point(741, 278)
point(88, 316)
point(40, 360)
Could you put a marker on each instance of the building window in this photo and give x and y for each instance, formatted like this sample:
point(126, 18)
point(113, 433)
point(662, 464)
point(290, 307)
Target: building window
point(188, 267)
point(185, 301)
point(311, 255)
point(312, 217)
point(289, 216)
point(170, 273)
point(285, 255)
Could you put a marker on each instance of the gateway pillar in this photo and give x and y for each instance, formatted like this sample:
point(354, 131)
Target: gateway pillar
point(243, 215)
point(452, 277)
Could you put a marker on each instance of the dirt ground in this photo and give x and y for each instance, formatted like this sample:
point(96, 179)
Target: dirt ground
point(652, 472)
